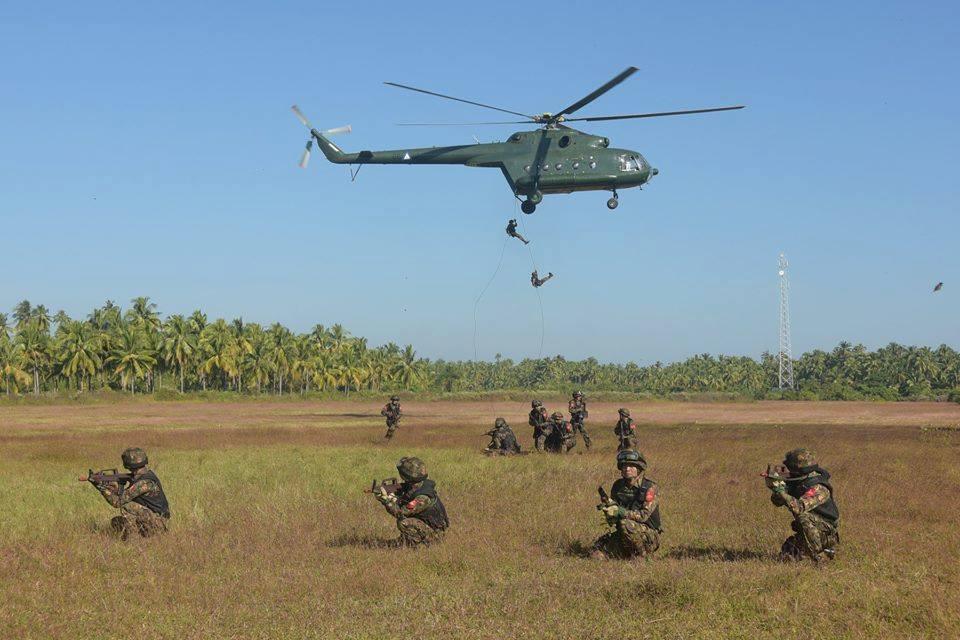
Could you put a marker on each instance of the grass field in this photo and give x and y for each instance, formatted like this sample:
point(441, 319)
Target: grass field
point(272, 536)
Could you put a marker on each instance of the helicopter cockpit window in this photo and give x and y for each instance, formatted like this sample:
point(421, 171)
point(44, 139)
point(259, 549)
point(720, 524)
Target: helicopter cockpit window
point(564, 141)
point(515, 137)
point(630, 163)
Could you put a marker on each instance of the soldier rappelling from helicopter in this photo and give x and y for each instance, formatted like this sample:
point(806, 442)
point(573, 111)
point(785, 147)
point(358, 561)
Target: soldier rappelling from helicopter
point(512, 231)
point(537, 281)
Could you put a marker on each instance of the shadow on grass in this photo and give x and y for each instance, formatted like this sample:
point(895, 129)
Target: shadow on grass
point(577, 549)
point(715, 553)
point(364, 541)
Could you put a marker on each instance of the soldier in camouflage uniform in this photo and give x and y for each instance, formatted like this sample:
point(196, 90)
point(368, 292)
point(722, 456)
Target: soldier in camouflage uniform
point(391, 411)
point(562, 437)
point(633, 508)
point(144, 509)
point(538, 420)
point(503, 441)
point(807, 493)
point(578, 413)
point(626, 431)
point(421, 517)
point(512, 231)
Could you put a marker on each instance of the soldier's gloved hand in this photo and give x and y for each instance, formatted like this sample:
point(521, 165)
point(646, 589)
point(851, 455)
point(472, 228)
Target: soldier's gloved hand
point(614, 511)
point(778, 486)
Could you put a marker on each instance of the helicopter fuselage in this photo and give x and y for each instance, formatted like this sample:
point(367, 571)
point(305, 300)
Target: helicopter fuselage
point(534, 163)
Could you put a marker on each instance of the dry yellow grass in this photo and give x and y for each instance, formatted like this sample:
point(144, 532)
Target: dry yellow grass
point(272, 537)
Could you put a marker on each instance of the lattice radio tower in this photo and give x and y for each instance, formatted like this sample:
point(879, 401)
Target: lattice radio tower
point(785, 355)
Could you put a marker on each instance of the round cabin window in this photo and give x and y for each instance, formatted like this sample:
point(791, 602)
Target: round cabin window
point(559, 166)
point(576, 165)
point(593, 164)
point(564, 141)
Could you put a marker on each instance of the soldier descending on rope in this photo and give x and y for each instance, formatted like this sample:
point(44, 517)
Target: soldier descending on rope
point(538, 420)
point(562, 437)
point(537, 281)
point(421, 517)
point(503, 442)
point(512, 232)
point(806, 491)
point(626, 431)
point(393, 414)
point(144, 509)
point(578, 413)
point(633, 508)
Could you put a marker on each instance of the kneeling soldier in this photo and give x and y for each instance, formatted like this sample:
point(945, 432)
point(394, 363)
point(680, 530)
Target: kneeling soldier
point(139, 496)
point(633, 507)
point(415, 504)
point(806, 491)
point(503, 441)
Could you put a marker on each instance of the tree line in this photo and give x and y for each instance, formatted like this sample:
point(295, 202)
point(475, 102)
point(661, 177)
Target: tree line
point(136, 351)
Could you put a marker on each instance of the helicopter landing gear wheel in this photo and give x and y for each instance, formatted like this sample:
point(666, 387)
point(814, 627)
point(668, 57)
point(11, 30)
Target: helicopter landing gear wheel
point(527, 207)
point(613, 202)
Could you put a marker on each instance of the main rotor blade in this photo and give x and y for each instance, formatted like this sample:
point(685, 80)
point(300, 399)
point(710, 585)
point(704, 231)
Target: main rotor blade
point(623, 75)
point(302, 118)
point(454, 124)
point(652, 115)
point(440, 95)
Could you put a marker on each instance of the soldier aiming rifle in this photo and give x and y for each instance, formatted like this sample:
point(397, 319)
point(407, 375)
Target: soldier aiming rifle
point(144, 509)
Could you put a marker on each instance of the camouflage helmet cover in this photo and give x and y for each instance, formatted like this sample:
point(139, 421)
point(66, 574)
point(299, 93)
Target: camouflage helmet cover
point(134, 458)
point(412, 469)
point(799, 459)
point(624, 412)
point(500, 422)
point(394, 398)
point(578, 394)
point(536, 403)
point(557, 416)
point(631, 458)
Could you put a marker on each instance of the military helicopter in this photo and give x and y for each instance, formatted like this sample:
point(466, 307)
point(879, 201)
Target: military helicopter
point(553, 159)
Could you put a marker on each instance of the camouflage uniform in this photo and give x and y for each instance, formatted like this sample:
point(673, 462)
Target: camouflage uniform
point(562, 438)
point(421, 516)
point(144, 509)
point(578, 413)
point(537, 281)
point(626, 431)
point(808, 495)
point(634, 509)
point(503, 442)
point(538, 420)
point(391, 411)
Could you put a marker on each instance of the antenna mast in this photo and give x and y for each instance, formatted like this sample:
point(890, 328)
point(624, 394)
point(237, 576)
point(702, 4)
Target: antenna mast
point(785, 355)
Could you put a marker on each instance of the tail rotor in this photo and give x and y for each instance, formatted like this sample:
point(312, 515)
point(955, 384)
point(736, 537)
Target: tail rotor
point(305, 157)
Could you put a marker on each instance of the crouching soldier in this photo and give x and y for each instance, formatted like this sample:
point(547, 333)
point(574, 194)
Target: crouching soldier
point(503, 442)
point(562, 437)
point(806, 491)
point(421, 517)
point(633, 508)
point(144, 509)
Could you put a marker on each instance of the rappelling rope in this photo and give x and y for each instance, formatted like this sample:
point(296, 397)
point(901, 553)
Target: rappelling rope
point(537, 289)
point(477, 301)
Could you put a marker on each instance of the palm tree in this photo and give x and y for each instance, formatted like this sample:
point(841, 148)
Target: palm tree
point(218, 352)
point(79, 347)
point(130, 357)
point(35, 344)
point(179, 344)
point(280, 338)
point(405, 369)
point(241, 341)
point(22, 313)
point(11, 365)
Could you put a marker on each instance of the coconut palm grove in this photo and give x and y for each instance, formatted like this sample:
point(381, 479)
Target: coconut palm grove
point(137, 351)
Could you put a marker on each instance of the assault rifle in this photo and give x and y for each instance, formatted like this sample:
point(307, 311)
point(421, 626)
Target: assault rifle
point(106, 476)
point(604, 498)
point(390, 485)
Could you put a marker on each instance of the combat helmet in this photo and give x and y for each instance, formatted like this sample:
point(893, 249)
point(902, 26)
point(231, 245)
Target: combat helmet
point(578, 394)
point(557, 416)
point(799, 460)
point(134, 458)
point(624, 412)
point(412, 469)
point(536, 404)
point(394, 398)
point(631, 458)
point(500, 423)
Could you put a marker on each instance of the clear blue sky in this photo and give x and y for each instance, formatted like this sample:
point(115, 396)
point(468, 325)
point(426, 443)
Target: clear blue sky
point(150, 150)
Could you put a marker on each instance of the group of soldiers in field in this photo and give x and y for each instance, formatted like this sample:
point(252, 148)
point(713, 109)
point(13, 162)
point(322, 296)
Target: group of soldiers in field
point(631, 509)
